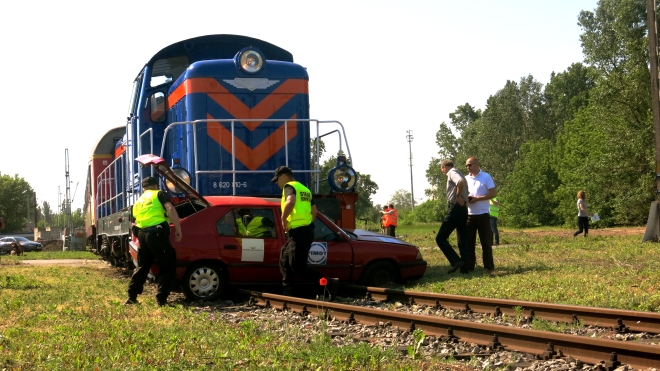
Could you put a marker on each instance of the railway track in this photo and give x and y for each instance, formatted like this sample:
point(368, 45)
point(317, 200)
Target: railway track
point(621, 321)
point(544, 345)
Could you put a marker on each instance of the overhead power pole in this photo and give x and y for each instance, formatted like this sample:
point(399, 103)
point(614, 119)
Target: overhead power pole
point(67, 197)
point(653, 223)
point(410, 138)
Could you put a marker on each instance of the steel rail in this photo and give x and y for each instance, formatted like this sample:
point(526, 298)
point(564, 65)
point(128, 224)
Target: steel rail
point(621, 320)
point(545, 345)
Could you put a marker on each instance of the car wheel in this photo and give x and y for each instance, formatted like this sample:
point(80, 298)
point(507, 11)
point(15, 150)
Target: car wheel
point(379, 274)
point(204, 282)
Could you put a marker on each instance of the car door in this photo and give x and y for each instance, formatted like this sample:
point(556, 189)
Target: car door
point(250, 244)
point(331, 252)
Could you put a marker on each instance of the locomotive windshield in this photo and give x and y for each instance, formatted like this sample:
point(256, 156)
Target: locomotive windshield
point(168, 69)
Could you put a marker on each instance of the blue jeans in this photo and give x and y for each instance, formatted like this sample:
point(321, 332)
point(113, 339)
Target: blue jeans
point(493, 227)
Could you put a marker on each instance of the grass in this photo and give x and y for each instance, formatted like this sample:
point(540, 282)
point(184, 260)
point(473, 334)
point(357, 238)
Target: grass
point(603, 271)
point(70, 318)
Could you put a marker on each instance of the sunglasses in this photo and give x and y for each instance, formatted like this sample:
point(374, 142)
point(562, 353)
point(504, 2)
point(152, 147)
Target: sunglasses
point(468, 165)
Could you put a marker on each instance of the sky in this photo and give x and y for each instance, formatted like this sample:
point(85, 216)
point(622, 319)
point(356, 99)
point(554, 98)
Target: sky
point(381, 68)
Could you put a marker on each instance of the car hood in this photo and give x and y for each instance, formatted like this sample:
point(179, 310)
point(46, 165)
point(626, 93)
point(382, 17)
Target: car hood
point(164, 169)
point(364, 235)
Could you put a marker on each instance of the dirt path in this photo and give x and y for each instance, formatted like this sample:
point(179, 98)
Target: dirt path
point(70, 262)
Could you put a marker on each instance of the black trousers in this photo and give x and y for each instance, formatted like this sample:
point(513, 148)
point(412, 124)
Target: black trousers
point(480, 224)
point(155, 247)
point(294, 254)
point(391, 231)
point(583, 225)
point(456, 218)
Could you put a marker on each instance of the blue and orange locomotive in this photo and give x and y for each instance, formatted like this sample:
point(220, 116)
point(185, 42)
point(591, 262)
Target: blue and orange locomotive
point(224, 111)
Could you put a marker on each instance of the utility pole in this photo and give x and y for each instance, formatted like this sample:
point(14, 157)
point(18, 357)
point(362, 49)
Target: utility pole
point(410, 138)
point(67, 199)
point(653, 223)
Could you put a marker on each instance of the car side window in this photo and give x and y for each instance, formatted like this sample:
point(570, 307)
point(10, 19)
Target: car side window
point(322, 231)
point(247, 222)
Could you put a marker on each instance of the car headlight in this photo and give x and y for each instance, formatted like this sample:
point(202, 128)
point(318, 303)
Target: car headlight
point(419, 255)
point(181, 173)
point(251, 60)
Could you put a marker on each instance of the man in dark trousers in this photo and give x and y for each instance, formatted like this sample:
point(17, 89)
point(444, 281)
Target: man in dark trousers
point(481, 188)
point(456, 217)
point(153, 212)
point(298, 214)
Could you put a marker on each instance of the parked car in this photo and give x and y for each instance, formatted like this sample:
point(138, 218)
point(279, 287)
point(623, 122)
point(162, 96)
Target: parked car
point(232, 240)
point(5, 248)
point(26, 244)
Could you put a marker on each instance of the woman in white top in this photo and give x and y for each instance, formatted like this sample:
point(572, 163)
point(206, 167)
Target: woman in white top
point(583, 215)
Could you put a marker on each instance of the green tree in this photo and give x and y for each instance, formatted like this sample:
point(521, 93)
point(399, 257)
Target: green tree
point(566, 93)
point(401, 200)
point(607, 149)
point(527, 200)
point(450, 146)
point(429, 211)
point(48, 213)
point(13, 205)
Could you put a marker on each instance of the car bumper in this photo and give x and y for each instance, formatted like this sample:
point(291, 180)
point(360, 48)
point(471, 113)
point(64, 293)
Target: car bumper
point(412, 270)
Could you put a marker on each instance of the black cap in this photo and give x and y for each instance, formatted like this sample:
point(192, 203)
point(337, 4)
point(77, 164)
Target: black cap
point(281, 171)
point(149, 181)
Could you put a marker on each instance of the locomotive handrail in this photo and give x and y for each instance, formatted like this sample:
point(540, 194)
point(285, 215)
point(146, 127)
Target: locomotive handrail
point(150, 131)
point(233, 171)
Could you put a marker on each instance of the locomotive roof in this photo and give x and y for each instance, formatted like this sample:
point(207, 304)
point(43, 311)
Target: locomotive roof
point(220, 47)
point(106, 144)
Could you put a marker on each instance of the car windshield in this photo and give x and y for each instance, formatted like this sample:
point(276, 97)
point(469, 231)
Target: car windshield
point(23, 239)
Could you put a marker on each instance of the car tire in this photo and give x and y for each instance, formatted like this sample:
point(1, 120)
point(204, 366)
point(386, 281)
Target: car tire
point(204, 282)
point(379, 274)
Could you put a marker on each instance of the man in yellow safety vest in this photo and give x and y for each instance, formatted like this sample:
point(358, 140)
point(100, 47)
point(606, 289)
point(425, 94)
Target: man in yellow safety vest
point(153, 212)
point(298, 214)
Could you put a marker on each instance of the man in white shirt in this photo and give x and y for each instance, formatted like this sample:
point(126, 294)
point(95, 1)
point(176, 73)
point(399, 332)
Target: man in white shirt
point(481, 189)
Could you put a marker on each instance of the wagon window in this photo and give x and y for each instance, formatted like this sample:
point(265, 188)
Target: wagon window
point(247, 223)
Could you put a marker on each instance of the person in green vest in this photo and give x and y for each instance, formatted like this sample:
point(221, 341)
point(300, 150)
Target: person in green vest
point(253, 226)
point(494, 214)
point(298, 214)
point(153, 212)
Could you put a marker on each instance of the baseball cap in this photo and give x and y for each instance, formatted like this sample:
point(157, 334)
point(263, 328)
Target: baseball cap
point(281, 171)
point(149, 181)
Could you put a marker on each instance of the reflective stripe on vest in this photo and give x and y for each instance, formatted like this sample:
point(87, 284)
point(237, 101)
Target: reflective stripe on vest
point(494, 210)
point(301, 215)
point(148, 211)
point(393, 217)
point(241, 227)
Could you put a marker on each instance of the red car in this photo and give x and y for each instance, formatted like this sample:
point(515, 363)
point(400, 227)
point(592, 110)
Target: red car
point(237, 240)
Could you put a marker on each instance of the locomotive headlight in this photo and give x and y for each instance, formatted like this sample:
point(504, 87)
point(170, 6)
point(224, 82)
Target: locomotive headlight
point(251, 61)
point(181, 173)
